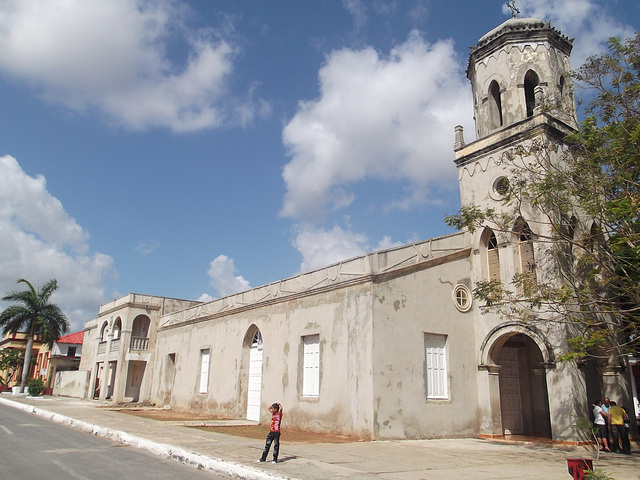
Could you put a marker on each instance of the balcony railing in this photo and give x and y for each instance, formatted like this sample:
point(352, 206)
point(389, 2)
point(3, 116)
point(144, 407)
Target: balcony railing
point(115, 345)
point(102, 347)
point(139, 344)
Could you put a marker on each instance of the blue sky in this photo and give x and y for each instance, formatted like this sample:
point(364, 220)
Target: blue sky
point(196, 148)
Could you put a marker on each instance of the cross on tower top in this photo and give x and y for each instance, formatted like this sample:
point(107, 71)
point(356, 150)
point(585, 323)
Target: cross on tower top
point(512, 6)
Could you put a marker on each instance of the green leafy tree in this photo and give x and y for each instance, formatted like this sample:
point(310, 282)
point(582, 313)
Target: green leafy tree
point(33, 313)
point(11, 359)
point(585, 192)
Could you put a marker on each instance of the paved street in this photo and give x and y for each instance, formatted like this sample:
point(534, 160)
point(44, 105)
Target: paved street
point(31, 447)
point(438, 459)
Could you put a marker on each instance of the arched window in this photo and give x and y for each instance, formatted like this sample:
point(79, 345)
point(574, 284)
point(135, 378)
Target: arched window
point(140, 333)
point(525, 249)
point(565, 236)
point(117, 328)
point(140, 326)
point(593, 239)
point(104, 331)
point(531, 81)
point(495, 105)
point(254, 386)
point(493, 256)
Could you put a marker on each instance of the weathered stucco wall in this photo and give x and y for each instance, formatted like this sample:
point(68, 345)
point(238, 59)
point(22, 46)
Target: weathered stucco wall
point(71, 383)
point(341, 318)
point(405, 309)
point(372, 350)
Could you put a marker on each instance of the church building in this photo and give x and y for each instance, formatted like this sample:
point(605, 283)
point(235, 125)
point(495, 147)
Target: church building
point(391, 344)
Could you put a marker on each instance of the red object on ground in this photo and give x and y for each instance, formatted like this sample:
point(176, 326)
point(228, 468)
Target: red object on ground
point(577, 466)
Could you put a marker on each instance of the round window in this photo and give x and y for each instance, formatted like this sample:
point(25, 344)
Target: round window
point(501, 186)
point(462, 298)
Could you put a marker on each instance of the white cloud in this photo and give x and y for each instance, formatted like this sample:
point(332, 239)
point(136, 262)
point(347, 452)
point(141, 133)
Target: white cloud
point(41, 241)
point(588, 21)
point(387, 243)
point(205, 297)
point(111, 56)
point(388, 118)
point(358, 11)
point(320, 247)
point(146, 248)
point(223, 276)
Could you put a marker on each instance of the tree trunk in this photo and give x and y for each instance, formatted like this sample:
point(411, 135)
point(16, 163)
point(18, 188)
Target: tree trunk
point(27, 363)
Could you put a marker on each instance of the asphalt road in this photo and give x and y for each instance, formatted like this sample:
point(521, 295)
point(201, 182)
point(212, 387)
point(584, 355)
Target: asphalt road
point(34, 448)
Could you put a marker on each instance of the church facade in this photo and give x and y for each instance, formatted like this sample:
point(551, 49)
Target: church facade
point(390, 344)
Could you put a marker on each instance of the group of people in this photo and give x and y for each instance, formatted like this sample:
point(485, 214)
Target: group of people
point(612, 426)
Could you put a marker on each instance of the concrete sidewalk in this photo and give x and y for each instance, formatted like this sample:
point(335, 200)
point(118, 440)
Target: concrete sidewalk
point(398, 460)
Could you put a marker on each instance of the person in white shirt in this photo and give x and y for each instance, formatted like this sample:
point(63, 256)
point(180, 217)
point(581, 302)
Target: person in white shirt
point(600, 421)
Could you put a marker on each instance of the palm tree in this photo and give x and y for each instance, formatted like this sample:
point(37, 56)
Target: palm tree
point(33, 314)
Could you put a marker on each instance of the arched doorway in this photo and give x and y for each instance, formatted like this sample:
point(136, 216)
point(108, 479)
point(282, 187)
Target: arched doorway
point(522, 357)
point(254, 390)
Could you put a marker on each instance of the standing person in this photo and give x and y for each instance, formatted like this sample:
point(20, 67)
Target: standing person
point(618, 430)
point(599, 421)
point(605, 408)
point(274, 433)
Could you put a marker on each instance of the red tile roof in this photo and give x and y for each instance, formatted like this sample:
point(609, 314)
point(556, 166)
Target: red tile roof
point(76, 337)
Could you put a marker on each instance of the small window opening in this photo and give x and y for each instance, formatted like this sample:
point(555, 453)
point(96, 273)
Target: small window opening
point(493, 242)
point(462, 297)
point(256, 341)
point(526, 235)
point(501, 186)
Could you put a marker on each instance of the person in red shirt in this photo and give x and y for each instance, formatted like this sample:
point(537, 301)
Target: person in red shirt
point(274, 433)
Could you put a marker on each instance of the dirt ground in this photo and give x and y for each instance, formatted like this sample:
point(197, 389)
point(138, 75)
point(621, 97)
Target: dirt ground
point(166, 415)
point(289, 435)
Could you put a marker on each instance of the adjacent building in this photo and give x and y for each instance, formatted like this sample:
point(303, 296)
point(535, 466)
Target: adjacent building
point(39, 358)
point(64, 357)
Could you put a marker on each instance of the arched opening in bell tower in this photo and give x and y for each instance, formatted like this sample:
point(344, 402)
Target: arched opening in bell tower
point(495, 106)
point(531, 81)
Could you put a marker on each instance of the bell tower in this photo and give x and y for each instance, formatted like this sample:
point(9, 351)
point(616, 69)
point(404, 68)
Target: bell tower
point(521, 85)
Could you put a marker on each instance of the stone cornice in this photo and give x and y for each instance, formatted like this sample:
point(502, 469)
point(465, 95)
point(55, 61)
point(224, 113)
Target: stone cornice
point(518, 31)
point(198, 316)
point(119, 307)
point(512, 135)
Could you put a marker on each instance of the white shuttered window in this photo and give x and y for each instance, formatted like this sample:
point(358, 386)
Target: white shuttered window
point(204, 370)
point(436, 362)
point(311, 366)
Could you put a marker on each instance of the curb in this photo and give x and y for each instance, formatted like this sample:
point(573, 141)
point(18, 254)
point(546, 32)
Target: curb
point(178, 454)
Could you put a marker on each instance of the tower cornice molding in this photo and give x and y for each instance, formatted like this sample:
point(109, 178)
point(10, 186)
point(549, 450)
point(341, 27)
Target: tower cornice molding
point(517, 31)
point(510, 136)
